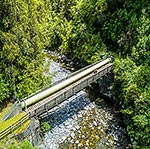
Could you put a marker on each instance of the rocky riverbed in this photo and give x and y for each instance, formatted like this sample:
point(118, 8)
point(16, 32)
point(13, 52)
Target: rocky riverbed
point(81, 123)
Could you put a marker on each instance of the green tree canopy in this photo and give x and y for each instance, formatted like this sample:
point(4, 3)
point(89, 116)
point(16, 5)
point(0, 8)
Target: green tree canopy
point(23, 32)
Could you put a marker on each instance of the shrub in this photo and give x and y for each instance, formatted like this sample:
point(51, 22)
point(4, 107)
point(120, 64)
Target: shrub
point(45, 126)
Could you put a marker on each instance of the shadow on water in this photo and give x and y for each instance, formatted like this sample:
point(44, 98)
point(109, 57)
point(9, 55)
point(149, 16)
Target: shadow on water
point(68, 108)
point(121, 138)
point(75, 104)
point(116, 126)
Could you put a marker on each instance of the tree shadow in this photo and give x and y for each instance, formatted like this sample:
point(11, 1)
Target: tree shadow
point(116, 126)
point(3, 105)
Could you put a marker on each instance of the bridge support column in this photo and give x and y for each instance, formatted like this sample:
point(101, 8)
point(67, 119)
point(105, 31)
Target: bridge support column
point(32, 133)
point(46, 109)
point(105, 86)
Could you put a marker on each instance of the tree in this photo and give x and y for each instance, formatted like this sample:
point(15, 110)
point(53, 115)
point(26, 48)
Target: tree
point(141, 51)
point(132, 86)
point(23, 37)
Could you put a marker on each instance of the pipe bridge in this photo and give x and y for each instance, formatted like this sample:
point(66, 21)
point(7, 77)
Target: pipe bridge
point(41, 102)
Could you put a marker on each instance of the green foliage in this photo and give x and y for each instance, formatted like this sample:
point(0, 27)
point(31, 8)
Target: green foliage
point(132, 85)
point(79, 37)
point(23, 35)
point(127, 33)
point(120, 29)
point(45, 126)
point(4, 90)
point(26, 145)
point(141, 51)
point(15, 144)
point(12, 147)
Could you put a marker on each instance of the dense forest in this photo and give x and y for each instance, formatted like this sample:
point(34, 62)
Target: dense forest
point(82, 29)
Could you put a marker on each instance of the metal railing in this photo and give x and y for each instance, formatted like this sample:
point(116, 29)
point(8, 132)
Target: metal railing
point(14, 126)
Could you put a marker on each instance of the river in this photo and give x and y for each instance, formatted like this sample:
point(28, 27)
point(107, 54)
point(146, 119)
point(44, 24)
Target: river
point(84, 123)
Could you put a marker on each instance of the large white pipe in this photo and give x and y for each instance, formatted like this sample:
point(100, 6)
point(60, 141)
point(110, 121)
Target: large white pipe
point(61, 85)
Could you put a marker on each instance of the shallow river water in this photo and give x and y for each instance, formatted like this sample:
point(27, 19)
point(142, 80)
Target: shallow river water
point(81, 123)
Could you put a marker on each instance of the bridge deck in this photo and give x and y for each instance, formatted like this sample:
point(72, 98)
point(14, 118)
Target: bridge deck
point(55, 99)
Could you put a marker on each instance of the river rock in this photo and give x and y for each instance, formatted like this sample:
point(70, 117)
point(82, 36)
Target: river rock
point(72, 135)
point(95, 124)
